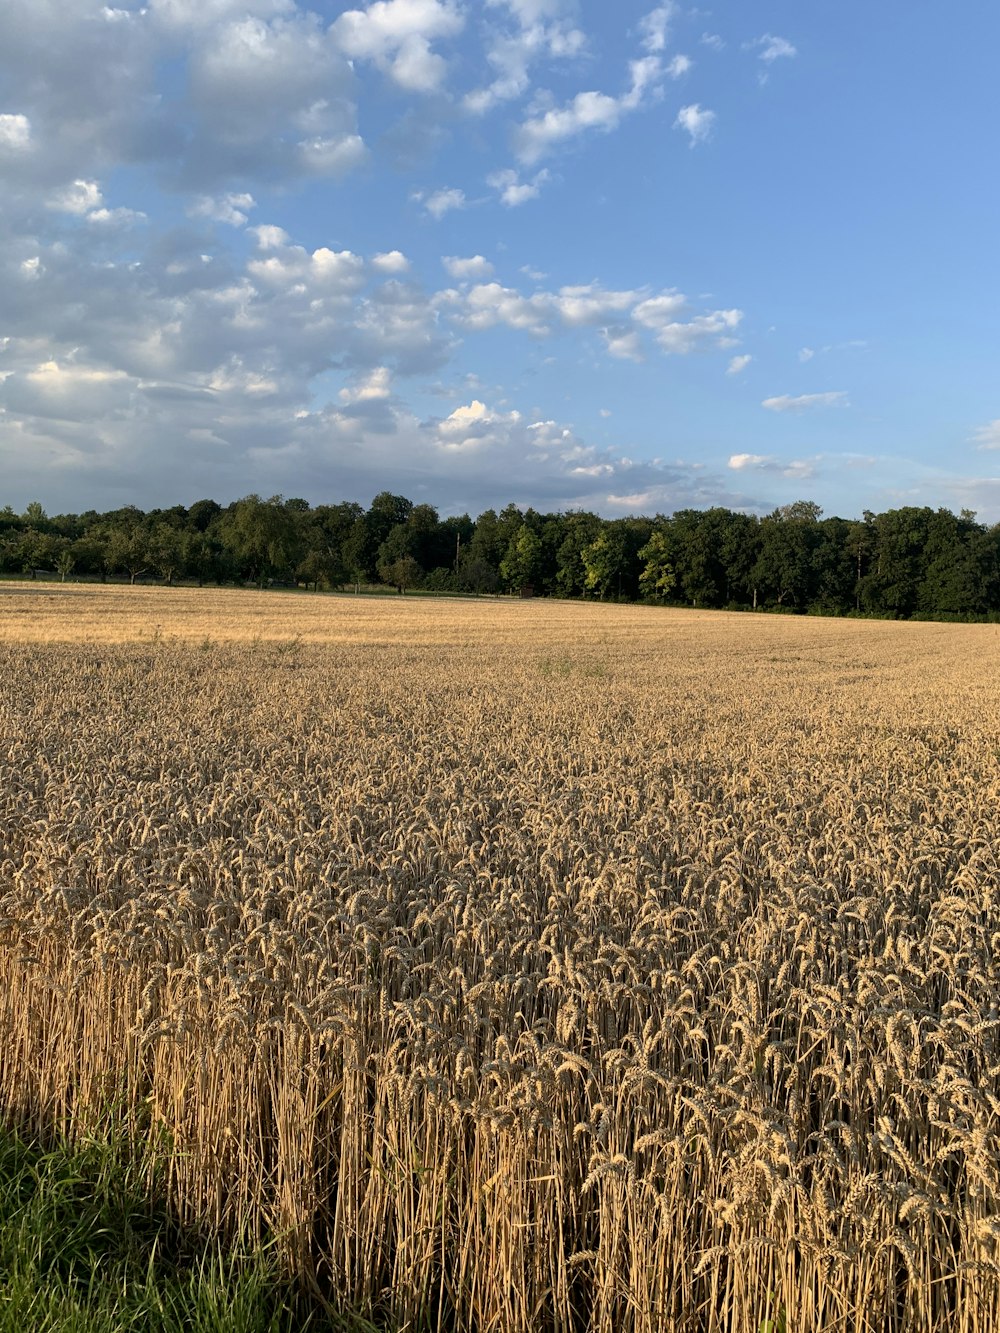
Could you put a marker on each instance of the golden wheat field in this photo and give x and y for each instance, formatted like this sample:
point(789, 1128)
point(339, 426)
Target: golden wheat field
point(524, 966)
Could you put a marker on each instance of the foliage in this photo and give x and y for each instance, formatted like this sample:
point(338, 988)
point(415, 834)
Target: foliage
point(909, 562)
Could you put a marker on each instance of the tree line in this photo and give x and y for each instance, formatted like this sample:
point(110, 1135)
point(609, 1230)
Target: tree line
point(913, 561)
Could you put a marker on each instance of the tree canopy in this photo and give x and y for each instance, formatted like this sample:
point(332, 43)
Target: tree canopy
point(905, 562)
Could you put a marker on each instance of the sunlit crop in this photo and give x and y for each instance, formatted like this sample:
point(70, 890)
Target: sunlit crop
point(524, 966)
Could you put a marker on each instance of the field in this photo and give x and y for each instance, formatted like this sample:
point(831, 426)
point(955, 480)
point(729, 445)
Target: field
point(522, 966)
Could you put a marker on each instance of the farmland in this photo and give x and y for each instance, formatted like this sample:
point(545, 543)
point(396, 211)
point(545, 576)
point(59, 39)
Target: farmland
point(521, 966)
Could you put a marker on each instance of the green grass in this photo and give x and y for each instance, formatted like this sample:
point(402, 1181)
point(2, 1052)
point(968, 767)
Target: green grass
point(85, 1249)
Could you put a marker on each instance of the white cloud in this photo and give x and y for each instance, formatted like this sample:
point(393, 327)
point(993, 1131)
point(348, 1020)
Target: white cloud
point(269, 100)
point(332, 155)
point(623, 345)
point(513, 190)
point(772, 48)
point(657, 311)
point(15, 132)
point(621, 316)
point(587, 111)
point(653, 28)
point(238, 380)
point(738, 364)
point(115, 217)
point(444, 201)
point(589, 304)
point(713, 41)
point(488, 304)
point(391, 261)
point(803, 402)
point(541, 133)
point(806, 354)
point(67, 392)
point(796, 468)
point(373, 387)
point(396, 35)
point(530, 12)
point(677, 336)
point(696, 121)
point(470, 426)
point(467, 270)
point(542, 30)
point(78, 198)
point(195, 15)
point(325, 273)
point(230, 208)
point(270, 237)
point(679, 66)
point(988, 436)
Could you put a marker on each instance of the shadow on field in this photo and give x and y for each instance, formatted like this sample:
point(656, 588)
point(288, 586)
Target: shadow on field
point(88, 1246)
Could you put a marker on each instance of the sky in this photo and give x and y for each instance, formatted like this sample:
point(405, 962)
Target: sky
point(598, 254)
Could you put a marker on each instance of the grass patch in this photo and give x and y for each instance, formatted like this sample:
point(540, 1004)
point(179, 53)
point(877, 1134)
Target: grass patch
point(84, 1249)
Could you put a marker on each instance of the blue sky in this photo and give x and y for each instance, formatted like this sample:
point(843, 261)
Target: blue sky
point(571, 253)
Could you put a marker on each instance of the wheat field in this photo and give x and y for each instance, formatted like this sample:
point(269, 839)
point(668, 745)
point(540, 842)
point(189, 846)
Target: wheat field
point(522, 966)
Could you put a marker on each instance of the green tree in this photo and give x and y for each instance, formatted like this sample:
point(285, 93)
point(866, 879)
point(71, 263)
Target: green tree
point(127, 551)
point(165, 548)
point(520, 565)
point(264, 536)
point(898, 561)
point(658, 580)
point(612, 563)
point(784, 567)
point(202, 514)
point(580, 528)
point(955, 579)
point(394, 556)
point(65, 562)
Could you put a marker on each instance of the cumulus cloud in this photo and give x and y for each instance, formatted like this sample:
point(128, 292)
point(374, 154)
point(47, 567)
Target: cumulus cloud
point(738, 364)
point(443, 201)
point(654, 26)
point(806, 354)
point(376, 386)
point(472, 269)
point(192, 16)
point(988, 436)
point(796, 468)
point(805, 401)
point(770, 48)
point(696, 121)
point(540, 31)
point(229, 208)
point(540, 134)
point(622, 316)
point(679, 336)
point(15, 132)
point(471, 426)
point(331, 155)
point(391, 261)
point(270, 100)
point(623, 344)
point(679, 66)
point(132, 359)
point(514, 191)
point(396, 35)
point(115, 217)
point(79, 198)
